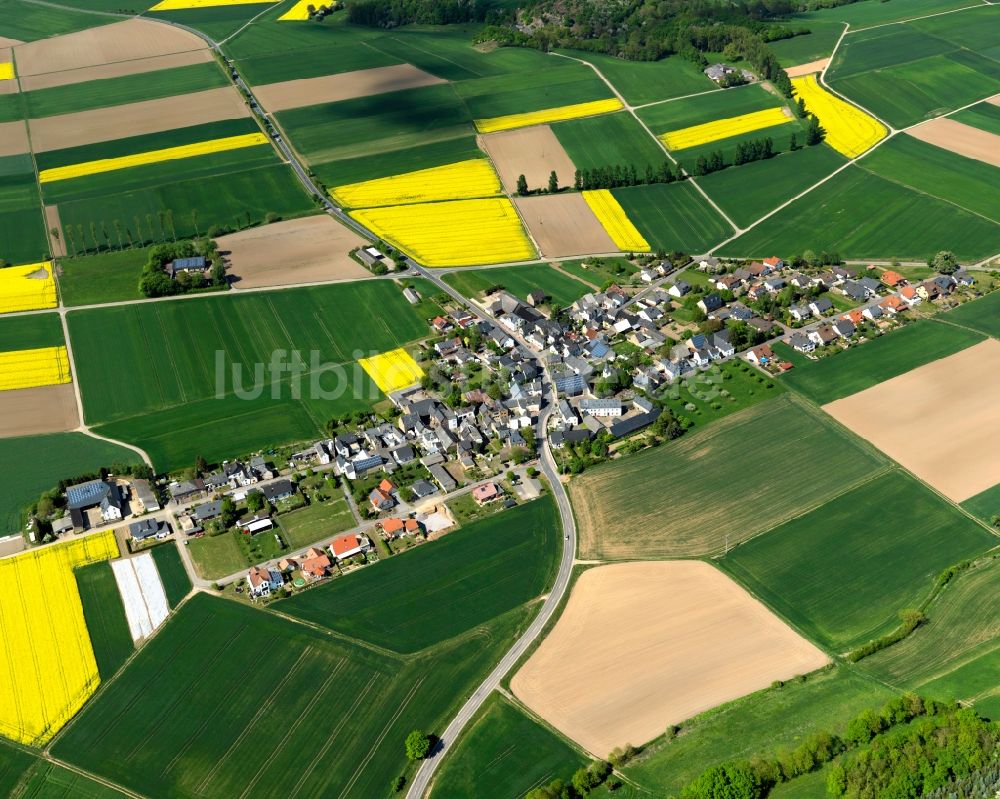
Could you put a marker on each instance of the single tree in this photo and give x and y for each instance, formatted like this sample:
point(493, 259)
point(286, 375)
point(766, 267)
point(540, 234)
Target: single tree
point(553, 182)
point(418, 744)
point(522, 185)
point(793, 143)
point(255, 501)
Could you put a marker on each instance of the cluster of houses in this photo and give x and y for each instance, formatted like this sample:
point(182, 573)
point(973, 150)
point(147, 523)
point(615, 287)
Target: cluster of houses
point(316, 564)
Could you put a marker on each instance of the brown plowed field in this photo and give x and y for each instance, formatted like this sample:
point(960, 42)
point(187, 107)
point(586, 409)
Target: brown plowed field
point(117, 70)
point(533, 152)
point(32, 411)
point(13, 138)
point(960, 138)
point(563, 225)
point(806, 69)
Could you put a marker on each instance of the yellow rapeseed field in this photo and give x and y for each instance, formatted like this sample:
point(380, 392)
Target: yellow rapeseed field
point(392, 370)
point(45, 366)
point(49, 670)
point(152, 157)
point(724, 128)
point(175, 5)
point(547, 115)
point(849, 130)
point(27, 288)
point(300, 11)
point(6, 70)
point(465, 179)
point(613, 219)
point(454, 233)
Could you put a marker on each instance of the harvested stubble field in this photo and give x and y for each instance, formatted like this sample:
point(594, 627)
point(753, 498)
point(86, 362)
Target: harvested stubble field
point(957, 394)
point(693, 492)
point(533, 152)
point(716, 643)
point(960, 138)
point(563, 225)
point(306, 250)
point(842, 572)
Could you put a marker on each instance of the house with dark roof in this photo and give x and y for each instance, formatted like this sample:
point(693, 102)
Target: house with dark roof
point(99, 494)
point(145, 529)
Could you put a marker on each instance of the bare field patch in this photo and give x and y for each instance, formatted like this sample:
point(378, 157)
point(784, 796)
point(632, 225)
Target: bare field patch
point(938, 421)
point(13, 138)
point(136, 119)
point(52, 222)
point(342, 86)
point(563, 225)
point(307, 250)
point(806, 69)
point(116, 70)
point(108, 44)
point(644, 645)
point(960, 138)
point(533, 152)
point(32, 411)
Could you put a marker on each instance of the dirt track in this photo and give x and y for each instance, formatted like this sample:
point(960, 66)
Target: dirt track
point(960, 138)
point(806, 69)
point(13, 138)
point(108, 44)
point(533, 152)
point(103, 71)
point(297, 251)
point(939, 420)
point(343, 86)
point(31, 411)
point(563, 225)
point(56, 244)
point(644, 645)
point(136, 119)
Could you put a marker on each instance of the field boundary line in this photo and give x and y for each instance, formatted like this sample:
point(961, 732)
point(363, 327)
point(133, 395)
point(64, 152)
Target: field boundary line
point(925, 16)
point(94, 777)
point(937, 318)
point(682, 97)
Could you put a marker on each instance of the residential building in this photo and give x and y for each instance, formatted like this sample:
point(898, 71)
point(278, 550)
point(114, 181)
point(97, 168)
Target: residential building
point(263, 582)
point(347, 546)
point(99, 494)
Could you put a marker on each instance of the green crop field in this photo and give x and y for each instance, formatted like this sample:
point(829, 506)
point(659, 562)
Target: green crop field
point(396, 162)
point(519, 280)
point(890, 355)
point(320, 519)
point(24, 776)
point(708, 107)
point(561, 83)
point(875, 12)
point(30, 332)
point(982, 315)
point(641, 82)
point(860, 215)
point(127, 89)
point(780, 136)
point(504, 753)
point(842, 572)
point(984, 116)
point(759, 724)
point(610, 139)
point(42, 461)
point(28, 22)
point(817, 44)
point(985, 505)
point(176, 583)
point(317, 716)
point(882, 48)
point(803, 459)
point(218, 22)
point(748, 192)
point(103, 277)
point(22, 230)
point(105, 615)
point(673, 216)
point(480, 571)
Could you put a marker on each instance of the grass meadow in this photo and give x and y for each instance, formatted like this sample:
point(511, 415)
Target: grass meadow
point(101, 277)
point(519, 280)
point(307, 525)
point(176, 583)
point(803, 459)
point(105, 617)
point(842, 572)
point(480, 571)
point(216, 556)
point(30, 332)
point(594, 142)
point(673, 216)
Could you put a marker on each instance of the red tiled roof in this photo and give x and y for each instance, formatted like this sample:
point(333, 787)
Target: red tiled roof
point(392, 525)
point(891, 278)
point(344, 544)
point(387, 486)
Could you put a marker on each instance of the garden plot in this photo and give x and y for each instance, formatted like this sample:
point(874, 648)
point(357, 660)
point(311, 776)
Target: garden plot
point(533, 152)
point(960, 138)
point(343, 86)
point(119, 69)
point(564, 225)
point(142, 594)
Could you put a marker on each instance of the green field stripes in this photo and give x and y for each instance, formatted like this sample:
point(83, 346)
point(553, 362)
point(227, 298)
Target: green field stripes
point(217, 22)
point(641, 82)
point(176, 583)
point(673, 216)
point(30, 332)
point(867, 14)
point(13, 764)
point(885, 357)
point(127, 89)
point(45, 460)
point(11, 108)
point(982, 315)
point(314, 716)
point(717, 503)
point(24, 776)
point(748, 192)
point(22, 228)
point(842, 572)
point(985, 505)
point(813, 46)
point(772, 720)
point(690, 111)
point(859, 215)
point(504, 753)
point(28, 21)
point(563, 83)
point(780, 136)
point(883, 48)
point(484, 569)
point(594, 142)
point(984, 116)
point(396, 162)
point(105, 616)
point(519, 280)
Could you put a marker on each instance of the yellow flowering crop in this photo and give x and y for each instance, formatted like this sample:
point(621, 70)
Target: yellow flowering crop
point(547, 115)
point(152, 157)
point(463, 180)
point(6, 70)
point(849, 130)
point(392, 370)
point(613, 219)
point(300, 11)
point(45, 366)
point(455, 233)
point(27, 288)
point(49, 670)
point(724, 128)
point(175, 5)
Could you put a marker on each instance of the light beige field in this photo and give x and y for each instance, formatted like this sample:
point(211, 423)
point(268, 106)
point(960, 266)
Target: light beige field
point(117, 70)
point(108, 44)
point(343, 86)
point(8, 86)
point(533, 152)
point(8, 42)
point(13, 138)
point(806, 69)
point(563, 225)
point(306, 250)
point(939, 420)
point(960, 138)
point(136, 119)
point(52, 221)
point(644, 645)
point(32, 411)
